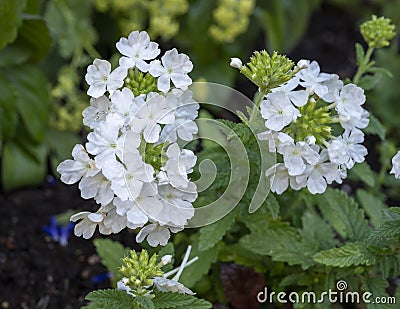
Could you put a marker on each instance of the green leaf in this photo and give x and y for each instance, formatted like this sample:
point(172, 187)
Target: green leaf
point(359, 53)
point(375, 127)
point(33, 98)
point(363, 173)
point(8, 109)
point(372, 205)
point(110, 253)
point(377, 287)
point(382, 71)
point(389, 231)
point(166, 300)
point(343, 214)
point(112, 299)
point(194, 273)
point(19, 169)
point(35, 36)
point(284, 245)
point(368, 82)
point(352, 254)
point(144, 302)
point(60, 144)
point(213, 233)
point(10, 20)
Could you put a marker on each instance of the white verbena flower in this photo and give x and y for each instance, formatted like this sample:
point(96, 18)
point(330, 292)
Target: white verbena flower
point(87, 226)
point(136, 49)
point(156, 234)
point(347, 149)
point(297, 97)
point(100, 78)
point(396, 166)
point(349, 101)
point(295, 156)
point(280, 179)
point(278, 111)
point(134, 215)
point(275, 139)
point(96, 112)
point(319, 175)
point(173, 67)
point(312, 78)
point(97, 187)
point(82, 166)
point(170, 285)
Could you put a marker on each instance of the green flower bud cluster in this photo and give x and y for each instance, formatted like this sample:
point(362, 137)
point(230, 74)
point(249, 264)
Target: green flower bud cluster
point(155, 155)
point(231, 18)
point(140, 83)
point(67, 113)
point(268, 72)
point(139, 270)
point(159, 16)
point(378, 32)
point(314, 121)
point(163, 17)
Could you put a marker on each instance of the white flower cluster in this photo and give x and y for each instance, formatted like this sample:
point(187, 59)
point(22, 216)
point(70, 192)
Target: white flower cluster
point(302, 116)
point(132, 164)
point(396, 166)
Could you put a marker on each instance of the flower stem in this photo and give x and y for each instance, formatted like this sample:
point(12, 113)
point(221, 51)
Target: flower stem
point(257, 103)
point(363, 66)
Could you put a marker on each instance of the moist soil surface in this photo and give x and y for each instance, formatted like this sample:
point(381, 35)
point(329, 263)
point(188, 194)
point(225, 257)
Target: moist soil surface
point(36, 272)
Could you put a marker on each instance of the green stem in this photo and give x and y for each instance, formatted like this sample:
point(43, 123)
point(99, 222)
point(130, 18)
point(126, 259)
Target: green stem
point(362, 68)
point(257, 103)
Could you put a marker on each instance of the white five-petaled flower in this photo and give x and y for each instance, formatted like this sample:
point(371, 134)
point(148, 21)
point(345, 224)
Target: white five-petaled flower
point(275, 139)
point(82, 166)
point(296, 155)
point(156, 234)
point(396, 166)
point(173, 67)
point(100, 78)
point(96, 112)
point(311, 78)
point(278, 111)
point(318, 175)
point(347, 149)
point(135, 217)
point(349, 101)
point(136, 49)
point(87, 226)
point(280, 179)
point(297, 97)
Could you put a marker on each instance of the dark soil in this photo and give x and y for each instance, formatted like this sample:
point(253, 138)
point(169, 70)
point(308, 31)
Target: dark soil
point(37, 273)
point(34, 271)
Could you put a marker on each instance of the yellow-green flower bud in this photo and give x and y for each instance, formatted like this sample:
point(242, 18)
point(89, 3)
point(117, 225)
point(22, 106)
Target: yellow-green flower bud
point(268, 72)
point(378, 32)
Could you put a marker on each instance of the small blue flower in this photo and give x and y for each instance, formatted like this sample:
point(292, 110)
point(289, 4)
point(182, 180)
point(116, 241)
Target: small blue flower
point(57, 232)
point(100, 278)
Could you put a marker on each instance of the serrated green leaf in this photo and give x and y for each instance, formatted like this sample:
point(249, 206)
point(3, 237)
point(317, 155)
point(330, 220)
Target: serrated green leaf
point(343, 214)
point(8, 109)
point(377, 287)
point(144, 302)
point(362, 172)
point(359, 54)
point(194, 273)
point(112, 299)
point(110, 253)
point(389, 231)
point(33, 98)
point(241, 256)
point(19, 168)
point(375, 127)
point(283, 244)
point(166, 300)
point(213, 233)
point(368, 82)
point(10, 20)
point(352, 254)
point(372, 205)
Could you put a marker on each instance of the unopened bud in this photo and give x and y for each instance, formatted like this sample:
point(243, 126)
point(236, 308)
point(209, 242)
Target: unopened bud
point(236, 63)
point(166, 259)
point(303, 64)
